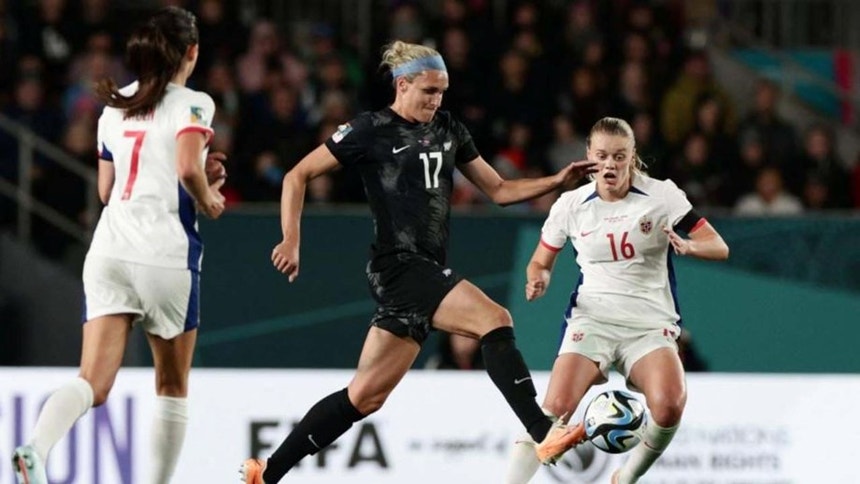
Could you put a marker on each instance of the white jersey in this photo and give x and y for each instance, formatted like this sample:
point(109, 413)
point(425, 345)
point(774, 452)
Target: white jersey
point(150, 218)
point(623, 255)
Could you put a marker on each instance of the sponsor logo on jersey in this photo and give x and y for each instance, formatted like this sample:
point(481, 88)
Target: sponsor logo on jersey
point(577, 336)
point(197, 115)
point(341, 132)
point(645, 224)
point(424, 142)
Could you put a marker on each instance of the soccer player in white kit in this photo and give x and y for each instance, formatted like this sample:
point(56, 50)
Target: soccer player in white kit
point(623, 311)
point(143, 266)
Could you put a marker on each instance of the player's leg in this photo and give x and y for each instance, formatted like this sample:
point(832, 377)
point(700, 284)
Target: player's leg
point(384, 361)
point(572, 376)
point(466, 310)
point(104, 341)
point(172, 361)
point(171, 304)
point(660, 376)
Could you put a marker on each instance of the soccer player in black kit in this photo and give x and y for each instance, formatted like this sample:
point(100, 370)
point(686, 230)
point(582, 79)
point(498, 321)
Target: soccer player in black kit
point(406, 155)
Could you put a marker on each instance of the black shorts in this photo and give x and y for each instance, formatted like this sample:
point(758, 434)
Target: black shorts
point(408, 289)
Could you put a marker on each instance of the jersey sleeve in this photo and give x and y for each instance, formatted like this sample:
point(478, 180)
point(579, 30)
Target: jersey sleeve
point(555, 231)
point(102, 147)
point(351, 142)
point(677, 204)
point(194, 113)
point(466, 150)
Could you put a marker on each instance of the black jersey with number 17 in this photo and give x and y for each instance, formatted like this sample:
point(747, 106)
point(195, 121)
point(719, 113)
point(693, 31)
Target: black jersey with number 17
point(407, 169)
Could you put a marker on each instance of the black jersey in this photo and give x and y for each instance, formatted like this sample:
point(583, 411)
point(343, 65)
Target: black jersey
point(407, 169)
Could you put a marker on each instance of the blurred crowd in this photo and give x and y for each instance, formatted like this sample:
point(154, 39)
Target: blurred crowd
point(528, 90)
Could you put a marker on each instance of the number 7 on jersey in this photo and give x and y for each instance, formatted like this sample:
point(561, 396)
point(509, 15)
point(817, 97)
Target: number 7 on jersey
point(135, 160)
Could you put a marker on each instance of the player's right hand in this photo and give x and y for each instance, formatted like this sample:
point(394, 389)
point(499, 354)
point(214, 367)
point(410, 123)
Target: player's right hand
point(213, 207)
point(285, 258)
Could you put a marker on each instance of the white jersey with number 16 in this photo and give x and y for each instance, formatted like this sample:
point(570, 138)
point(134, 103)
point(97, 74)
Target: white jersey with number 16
point(622, 253)
point(150, 218)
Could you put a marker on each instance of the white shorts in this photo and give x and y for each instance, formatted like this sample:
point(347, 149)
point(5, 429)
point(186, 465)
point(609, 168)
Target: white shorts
point(166, 301)
point(610, 344)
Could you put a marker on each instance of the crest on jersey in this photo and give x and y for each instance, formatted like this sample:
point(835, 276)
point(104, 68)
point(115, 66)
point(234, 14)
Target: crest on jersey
point(447, 145)
point(197, 115)
point(645, 224)
point(342, 131)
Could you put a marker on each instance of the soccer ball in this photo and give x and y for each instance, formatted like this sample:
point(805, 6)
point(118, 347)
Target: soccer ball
point(614, 420)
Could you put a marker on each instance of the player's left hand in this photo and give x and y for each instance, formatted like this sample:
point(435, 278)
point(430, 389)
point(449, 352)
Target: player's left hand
point(576, 170)
point(679, 244)
point(215, 167)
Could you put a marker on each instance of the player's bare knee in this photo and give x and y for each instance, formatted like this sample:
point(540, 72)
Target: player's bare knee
point(667, 407)
point(499, 318)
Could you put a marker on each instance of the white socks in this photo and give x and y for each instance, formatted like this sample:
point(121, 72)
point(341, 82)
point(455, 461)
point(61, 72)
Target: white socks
point(523, 462)
point(62, 409)
point(168, 434)
point(654, 441)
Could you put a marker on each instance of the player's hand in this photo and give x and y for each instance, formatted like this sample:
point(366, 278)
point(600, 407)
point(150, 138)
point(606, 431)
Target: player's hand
point(215, 167)
point(575, 171)
point(285, 258)
point(213, 206)
point(536, 288)
point(679, 244)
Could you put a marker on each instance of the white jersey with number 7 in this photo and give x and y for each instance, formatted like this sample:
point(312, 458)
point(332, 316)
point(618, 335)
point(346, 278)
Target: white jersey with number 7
point(623, 255)
point(150, 218)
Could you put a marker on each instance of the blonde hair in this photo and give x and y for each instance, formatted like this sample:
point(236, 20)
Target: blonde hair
point(618, 127)
point(399, 52)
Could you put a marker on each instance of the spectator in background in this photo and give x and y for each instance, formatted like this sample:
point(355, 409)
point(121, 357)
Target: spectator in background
point(566, 145)
point(697, 175)
point(64, 192)
point(711, 123)
point(582, 101)
point(264, 61)
point(634, 93)
point(50, 33)
point(219, 32)
point(512, 97)
point(751, 159)
point(264, 183)
point(778, 136)
point(769, 198)
point(678, 111)
point(819, 159)
point(80, 99)
point(650, 146)
point(466, 96)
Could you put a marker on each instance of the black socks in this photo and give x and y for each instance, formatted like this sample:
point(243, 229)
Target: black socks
point(508, 371)
point(322, 425)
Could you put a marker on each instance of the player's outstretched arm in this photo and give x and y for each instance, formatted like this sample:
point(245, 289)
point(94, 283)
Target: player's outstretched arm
point(285, 255)
point(507, 192)
point(538, 272)
point(704, 243)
